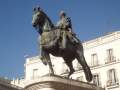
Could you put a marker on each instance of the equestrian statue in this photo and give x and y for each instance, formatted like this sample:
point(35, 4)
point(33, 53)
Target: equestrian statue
point(59, 40)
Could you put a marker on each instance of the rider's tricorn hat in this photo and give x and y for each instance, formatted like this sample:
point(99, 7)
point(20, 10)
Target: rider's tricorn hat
point(62, 13)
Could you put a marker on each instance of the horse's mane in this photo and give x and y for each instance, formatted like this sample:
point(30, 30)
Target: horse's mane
point(52, 25)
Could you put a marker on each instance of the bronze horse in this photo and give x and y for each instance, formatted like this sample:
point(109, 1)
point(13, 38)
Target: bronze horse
point(72, 50)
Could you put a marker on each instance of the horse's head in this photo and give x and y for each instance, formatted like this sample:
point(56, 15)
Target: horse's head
point(35, 20)
point(37, 17)
point(40, 19)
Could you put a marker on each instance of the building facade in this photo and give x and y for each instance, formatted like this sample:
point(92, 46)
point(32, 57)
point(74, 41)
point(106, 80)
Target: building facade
point(102, 55)
point(5, 84)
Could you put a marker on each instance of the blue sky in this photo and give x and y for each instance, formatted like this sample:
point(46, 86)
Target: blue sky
point(90, 18)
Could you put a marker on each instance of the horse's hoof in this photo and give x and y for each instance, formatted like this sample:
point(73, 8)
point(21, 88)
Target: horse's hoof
point(89, 77)
point(70, 74)
point(43, 61)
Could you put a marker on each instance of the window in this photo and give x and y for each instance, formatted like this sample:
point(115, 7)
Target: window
point(112, 79)
point(110, 55)
point(96, 79)
point(94, 59)
point(35, 73)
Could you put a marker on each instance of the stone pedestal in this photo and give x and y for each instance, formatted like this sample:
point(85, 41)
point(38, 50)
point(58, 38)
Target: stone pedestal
point(59, 83)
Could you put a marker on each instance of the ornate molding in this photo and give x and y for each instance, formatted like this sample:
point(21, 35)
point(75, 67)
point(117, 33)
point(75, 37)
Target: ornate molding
point(102, 40)
point(59, 83)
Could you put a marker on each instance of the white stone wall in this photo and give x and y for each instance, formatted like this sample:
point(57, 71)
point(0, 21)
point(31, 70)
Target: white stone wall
point(35, 63)
point(98, 46)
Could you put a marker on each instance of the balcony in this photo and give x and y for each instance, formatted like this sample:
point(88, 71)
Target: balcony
point(112, 84)
point(94, 65)
point(110, 59)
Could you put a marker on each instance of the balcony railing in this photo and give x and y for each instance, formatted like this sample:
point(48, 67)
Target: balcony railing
point(112, 83)
point(110, 59)
point(94, 65)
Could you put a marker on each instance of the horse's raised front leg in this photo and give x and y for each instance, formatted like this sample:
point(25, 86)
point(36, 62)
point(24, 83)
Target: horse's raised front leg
point(69, 64)
point(81, 59)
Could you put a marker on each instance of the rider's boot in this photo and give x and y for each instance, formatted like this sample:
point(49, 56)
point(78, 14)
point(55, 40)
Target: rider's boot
point(75, 40)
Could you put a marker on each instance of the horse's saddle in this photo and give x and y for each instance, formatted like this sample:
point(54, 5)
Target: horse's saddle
point(50, 38)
